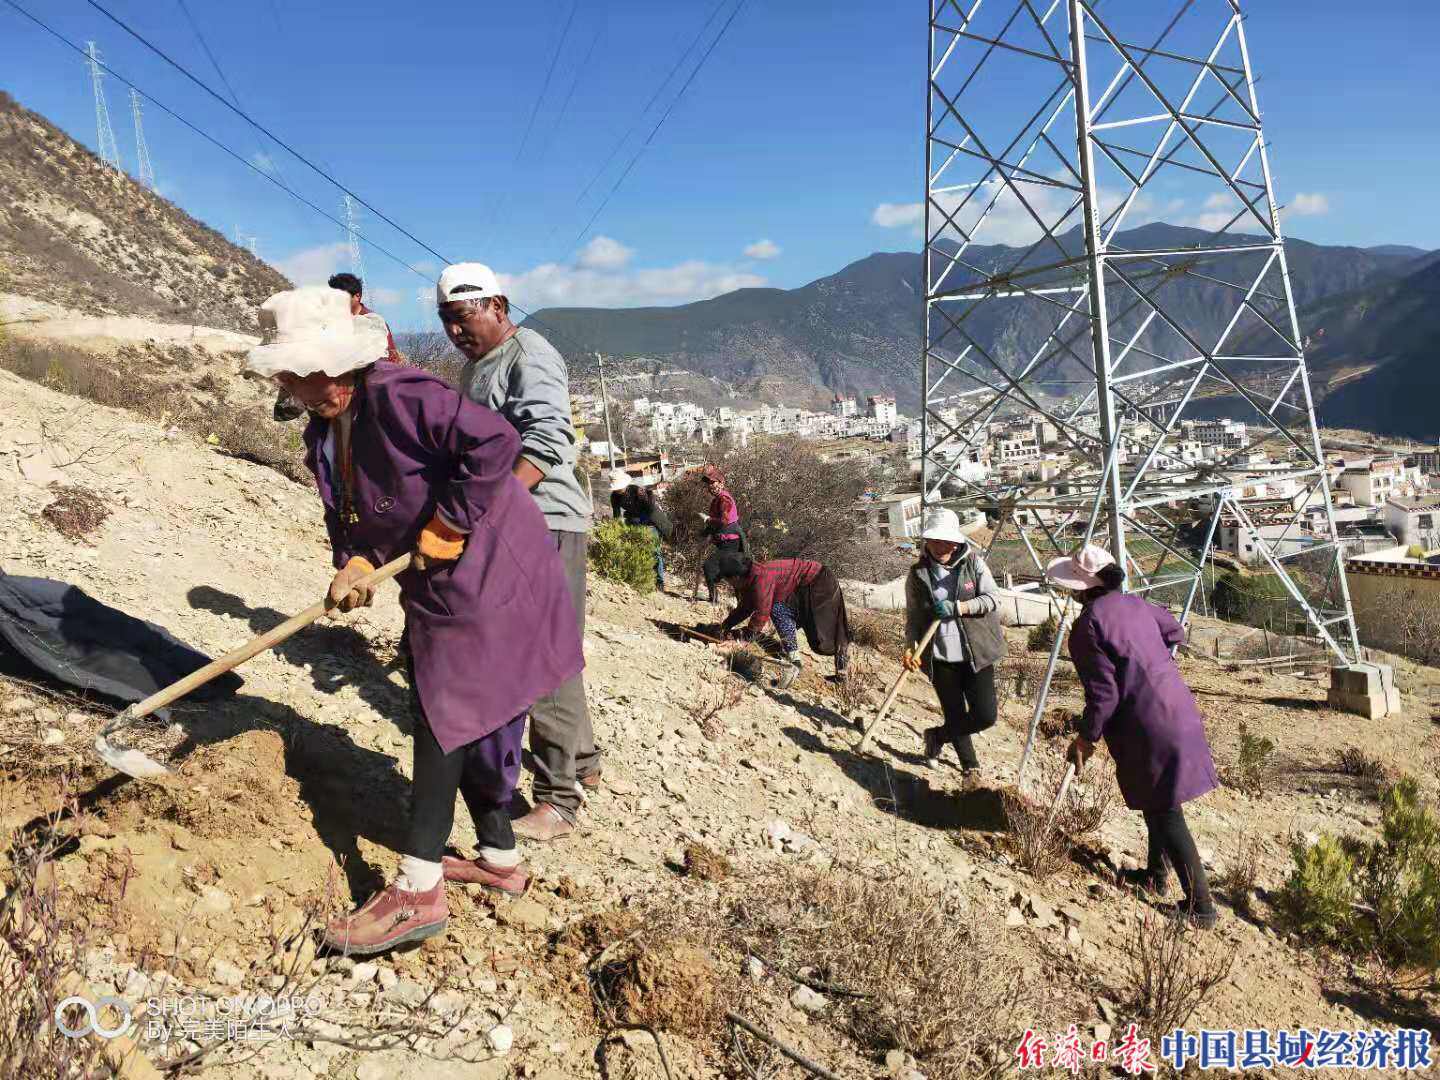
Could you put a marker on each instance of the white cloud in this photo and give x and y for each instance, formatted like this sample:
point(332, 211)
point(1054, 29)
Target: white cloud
point(603, 253)
point(1309, 204)
point(263, 161)
point(559, 285)
point(313, 266)
point(763, 249)
point(892, 215)
point(382, 295)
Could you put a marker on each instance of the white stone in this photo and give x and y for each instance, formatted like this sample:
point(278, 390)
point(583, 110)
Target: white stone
point(754, 969)
point(363, 973)
point(807, 1000)
point(52, 737)
point(500, 1038)
point(226, 973)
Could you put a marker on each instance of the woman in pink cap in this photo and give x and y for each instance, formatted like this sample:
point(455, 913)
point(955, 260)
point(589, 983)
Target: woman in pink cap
point(1137, 701)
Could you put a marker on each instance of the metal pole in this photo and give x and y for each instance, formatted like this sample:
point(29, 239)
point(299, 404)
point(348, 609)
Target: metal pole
point(1095, 254)
point(605, 407)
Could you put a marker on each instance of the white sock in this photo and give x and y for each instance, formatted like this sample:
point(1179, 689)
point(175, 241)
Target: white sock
point(417, 875)
point(505, 858)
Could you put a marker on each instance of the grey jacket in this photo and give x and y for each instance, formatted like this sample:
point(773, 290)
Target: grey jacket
point(984, 639)
point(525, 380)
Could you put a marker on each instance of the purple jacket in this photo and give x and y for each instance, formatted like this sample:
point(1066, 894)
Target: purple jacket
point(1136, 699)
point(495, 630)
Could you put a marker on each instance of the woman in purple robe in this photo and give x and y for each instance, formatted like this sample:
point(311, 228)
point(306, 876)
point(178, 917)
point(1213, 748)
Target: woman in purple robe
point(1137, 701)
point(405, 463)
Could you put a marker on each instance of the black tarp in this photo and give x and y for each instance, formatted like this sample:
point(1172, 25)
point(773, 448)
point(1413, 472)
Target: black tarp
point(54, 632)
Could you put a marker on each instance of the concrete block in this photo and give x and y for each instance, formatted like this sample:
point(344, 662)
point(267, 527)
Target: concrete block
point(1366, 689)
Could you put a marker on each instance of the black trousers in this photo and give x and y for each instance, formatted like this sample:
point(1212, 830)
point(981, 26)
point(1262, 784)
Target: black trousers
point(1170, 841)
point(484, 772)
point(967, 700)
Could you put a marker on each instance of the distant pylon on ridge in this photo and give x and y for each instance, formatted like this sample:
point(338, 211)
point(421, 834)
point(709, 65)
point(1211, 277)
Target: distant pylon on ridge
point(142, 151)
point(352, 237)
point(105, 134)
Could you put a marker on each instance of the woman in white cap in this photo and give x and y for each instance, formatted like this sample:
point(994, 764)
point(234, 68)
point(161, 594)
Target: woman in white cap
point(404, 463)
point(952, 585)
point(1137, 701)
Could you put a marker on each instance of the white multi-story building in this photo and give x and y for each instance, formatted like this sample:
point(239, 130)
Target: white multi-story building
point(843, 406)
point(1225, 434)
point(882, 409)
point(1372, 482)
point(1018, 446)
point(891, 517)
point(1414, 522)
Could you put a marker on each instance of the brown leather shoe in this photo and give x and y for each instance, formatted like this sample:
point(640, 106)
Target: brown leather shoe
point(542, 823)
point(390, 918)
point(505, 879)
point(591, 782)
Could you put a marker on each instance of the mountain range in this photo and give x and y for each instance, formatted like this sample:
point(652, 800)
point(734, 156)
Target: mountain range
point(858, 331)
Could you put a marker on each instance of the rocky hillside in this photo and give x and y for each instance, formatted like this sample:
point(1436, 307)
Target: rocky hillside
point(76, 233)
point(740, 856)
point(1392, 326)
point(859, 330)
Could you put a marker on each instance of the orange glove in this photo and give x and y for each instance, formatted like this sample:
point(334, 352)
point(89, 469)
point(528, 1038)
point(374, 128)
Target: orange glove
point(343, 593)
point(437, 542)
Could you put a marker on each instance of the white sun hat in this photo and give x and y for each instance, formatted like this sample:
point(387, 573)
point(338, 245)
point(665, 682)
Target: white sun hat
point(619, 480)
point(1081, 570)
point(467, 281)
point(942, 524)
point(304, 331)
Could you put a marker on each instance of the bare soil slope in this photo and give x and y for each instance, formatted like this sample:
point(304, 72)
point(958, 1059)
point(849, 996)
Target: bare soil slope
point(287, 801)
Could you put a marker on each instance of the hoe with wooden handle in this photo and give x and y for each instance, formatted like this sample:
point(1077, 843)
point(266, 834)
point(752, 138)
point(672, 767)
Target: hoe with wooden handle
point(895, 689)
point(132, 762)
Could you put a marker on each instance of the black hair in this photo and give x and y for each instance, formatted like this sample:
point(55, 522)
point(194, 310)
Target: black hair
point(346, 283)
point(1111, 577)
point(732, 564)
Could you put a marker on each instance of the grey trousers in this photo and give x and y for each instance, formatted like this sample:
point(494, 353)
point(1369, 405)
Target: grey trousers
point(561, 739)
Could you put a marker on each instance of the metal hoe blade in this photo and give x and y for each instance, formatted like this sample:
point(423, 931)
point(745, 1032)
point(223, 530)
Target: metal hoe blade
point(123, 759)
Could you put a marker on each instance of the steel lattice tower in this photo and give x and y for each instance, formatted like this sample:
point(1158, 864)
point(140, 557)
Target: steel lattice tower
point(104, 133)
point(142, 151)
point(352, 237)
point(1059, 132)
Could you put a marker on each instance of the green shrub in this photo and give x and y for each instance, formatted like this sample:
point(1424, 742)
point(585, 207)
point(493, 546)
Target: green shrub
point(1255, 599)
point(624, 553)
point(1043, 635)
point(1253, 765)
point(1379, 899)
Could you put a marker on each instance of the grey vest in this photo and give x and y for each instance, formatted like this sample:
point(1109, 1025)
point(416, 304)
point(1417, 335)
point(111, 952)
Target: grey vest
point(983, 635)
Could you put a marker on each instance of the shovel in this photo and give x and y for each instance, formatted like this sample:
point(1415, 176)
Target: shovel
point(895, 688)
point(132, 762)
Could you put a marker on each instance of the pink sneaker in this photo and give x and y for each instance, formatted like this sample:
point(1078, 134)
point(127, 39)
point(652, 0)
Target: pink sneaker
point(512, 880)
point(390, 918)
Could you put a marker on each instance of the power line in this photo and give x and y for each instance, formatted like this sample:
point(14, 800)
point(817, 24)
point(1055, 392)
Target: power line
point(570, 95)
point(252, 122)
point(659, 124)
point(499, 207)
point(101, 65)
point(653, 98)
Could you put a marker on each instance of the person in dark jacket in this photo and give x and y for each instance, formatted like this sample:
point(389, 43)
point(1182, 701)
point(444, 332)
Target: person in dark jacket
point(1137, 701)
point(722, 525)
point(636, 505)
point(952, 585)
point(404, 463)
point(791, 593)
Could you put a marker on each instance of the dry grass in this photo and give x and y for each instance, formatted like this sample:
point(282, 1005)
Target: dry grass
point(1371, 773)
point(1171, 970)
point(76, 512)
point(1039, 849)
point(1242, 872)
point(875, 630)
point(908, 967)
point(705, 863)
point(720, 689)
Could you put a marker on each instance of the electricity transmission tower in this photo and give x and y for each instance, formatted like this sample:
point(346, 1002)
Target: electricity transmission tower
point(352, 236)
point(1058, 133)
point(142, 151)
point(104, 134)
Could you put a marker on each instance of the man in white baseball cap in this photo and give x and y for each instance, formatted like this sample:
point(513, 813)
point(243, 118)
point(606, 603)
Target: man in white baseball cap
point(520, 375)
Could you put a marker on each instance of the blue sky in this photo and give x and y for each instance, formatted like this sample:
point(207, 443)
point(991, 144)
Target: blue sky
point(807, 117)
